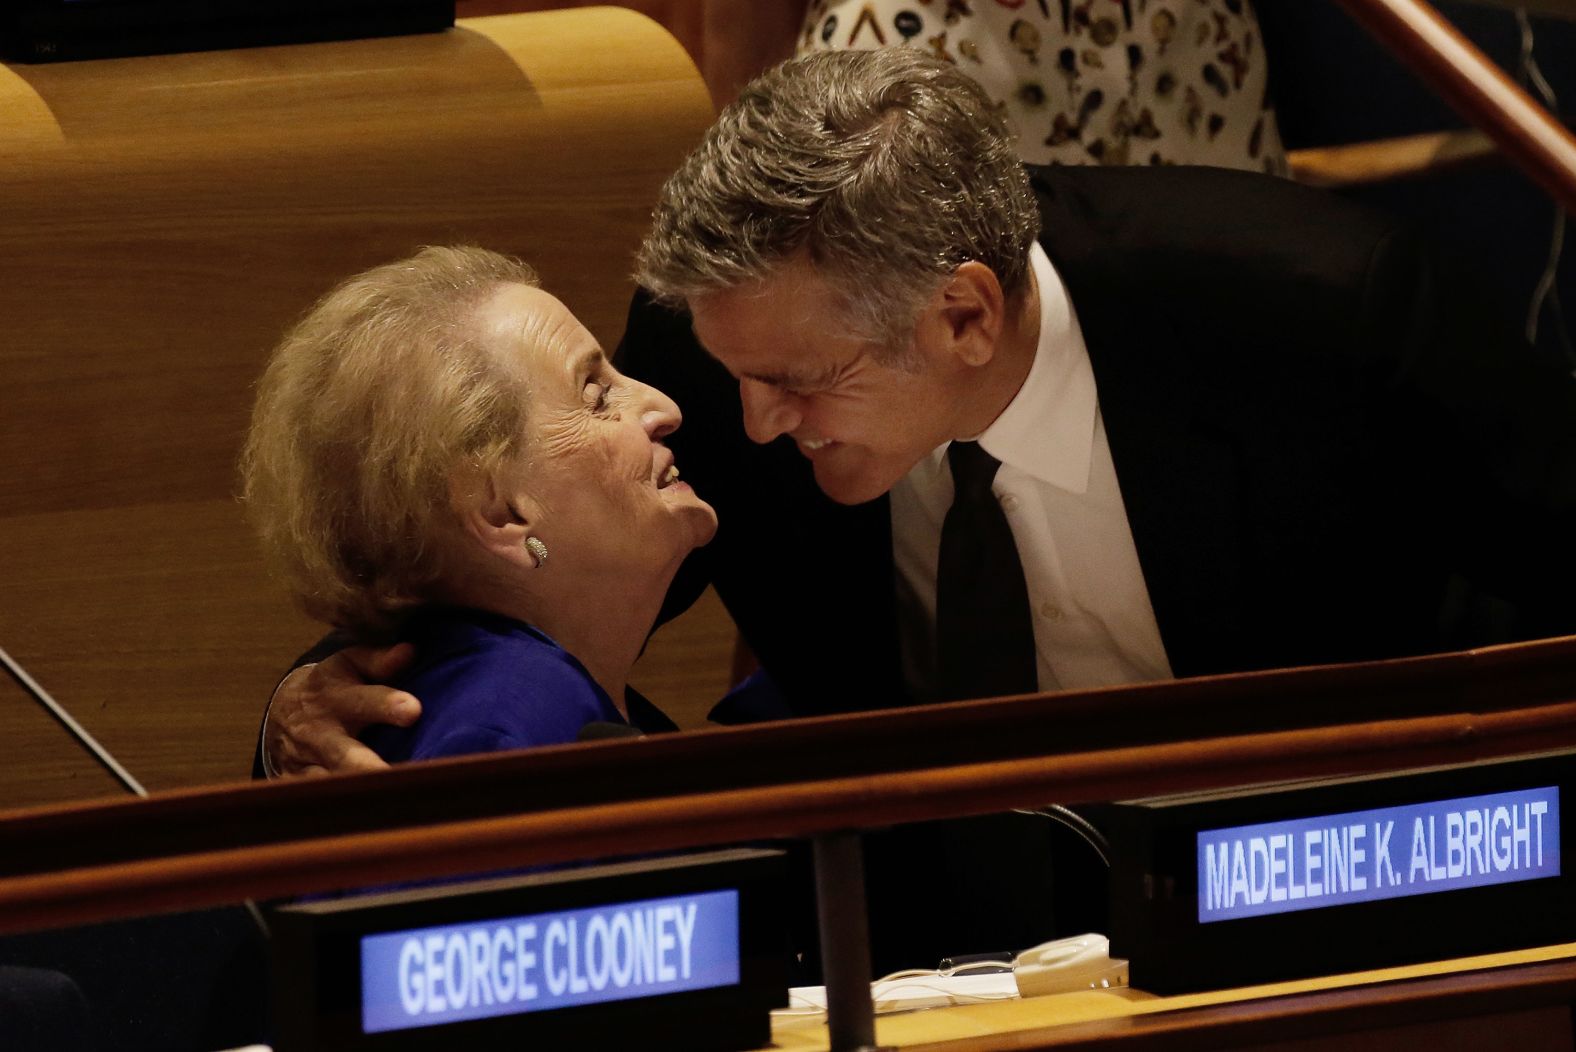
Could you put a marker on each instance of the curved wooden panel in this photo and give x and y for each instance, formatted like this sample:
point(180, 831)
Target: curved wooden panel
point(453, 848)
point(566, 803)
point(165, 219)
point(682, 18)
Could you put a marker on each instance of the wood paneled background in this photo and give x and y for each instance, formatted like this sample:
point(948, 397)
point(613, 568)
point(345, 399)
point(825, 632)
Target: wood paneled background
point(162, 221)
point(682, 18)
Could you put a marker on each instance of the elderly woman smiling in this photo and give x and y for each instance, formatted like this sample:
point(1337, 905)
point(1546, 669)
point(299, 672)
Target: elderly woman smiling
point(441, 454)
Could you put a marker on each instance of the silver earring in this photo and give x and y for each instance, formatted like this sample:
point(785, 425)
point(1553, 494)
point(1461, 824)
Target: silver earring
point(535, 546)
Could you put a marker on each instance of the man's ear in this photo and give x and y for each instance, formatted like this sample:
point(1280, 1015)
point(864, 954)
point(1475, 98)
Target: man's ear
point(497, 520)
point(968, 314)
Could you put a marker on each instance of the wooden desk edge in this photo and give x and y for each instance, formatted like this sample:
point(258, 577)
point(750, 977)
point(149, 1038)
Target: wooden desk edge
point(1363, 1006)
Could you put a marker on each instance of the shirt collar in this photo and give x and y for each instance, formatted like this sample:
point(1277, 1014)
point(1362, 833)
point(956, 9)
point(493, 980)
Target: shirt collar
point(1047, 430)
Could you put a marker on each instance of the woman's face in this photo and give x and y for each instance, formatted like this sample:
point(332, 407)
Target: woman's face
point(601, 487)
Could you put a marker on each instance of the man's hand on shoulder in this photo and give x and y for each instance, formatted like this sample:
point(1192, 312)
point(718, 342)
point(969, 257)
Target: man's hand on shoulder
point(319, 709)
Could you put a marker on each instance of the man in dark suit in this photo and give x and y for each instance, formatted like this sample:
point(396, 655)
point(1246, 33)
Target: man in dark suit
point(1216, 422)
point(1323, 446)
point(1239, 424)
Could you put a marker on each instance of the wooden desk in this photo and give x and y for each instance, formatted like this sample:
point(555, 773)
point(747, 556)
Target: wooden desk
point(183, 850)
point(1519, 1000)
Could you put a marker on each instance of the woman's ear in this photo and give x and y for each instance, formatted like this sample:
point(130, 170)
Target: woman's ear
point(496, 520)
point(967, 315)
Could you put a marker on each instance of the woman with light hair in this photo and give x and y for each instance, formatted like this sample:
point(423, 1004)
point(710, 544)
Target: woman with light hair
point(440, 454)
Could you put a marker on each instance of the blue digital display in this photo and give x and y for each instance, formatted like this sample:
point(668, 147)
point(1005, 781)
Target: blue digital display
point(509, 965)
point(1390, 852)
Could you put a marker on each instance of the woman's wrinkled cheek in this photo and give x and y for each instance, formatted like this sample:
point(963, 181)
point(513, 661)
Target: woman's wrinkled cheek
point(573, 450)
point(561, 437)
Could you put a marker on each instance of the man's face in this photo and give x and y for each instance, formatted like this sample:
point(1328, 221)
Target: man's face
point(802, 374)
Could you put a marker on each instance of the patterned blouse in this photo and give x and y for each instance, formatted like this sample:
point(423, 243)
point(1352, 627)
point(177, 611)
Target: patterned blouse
point(1091, 81)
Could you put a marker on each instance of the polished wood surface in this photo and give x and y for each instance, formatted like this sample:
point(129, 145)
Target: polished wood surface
point(1480, 91)
point(682, 18)
point(1518, 999)
point(57, 768)
point(1385, 160)
point(468, 815)
point(164, 220)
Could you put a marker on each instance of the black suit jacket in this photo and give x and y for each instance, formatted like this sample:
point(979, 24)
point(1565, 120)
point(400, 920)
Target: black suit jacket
point(1322, 440)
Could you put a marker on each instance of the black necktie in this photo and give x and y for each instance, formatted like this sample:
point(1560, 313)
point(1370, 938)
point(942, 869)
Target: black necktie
point(984, 631)
point(993, 873)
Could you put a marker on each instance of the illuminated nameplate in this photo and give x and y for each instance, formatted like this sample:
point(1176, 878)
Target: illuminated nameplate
point(427, 976)
point(1390, 852)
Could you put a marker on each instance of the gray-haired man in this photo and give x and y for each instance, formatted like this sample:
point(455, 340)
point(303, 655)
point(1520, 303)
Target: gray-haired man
point(1241, 424)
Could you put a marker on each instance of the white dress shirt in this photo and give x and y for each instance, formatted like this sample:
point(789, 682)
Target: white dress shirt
point(1093, 623)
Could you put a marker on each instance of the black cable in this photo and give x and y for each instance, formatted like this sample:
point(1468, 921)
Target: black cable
point(1075, 822)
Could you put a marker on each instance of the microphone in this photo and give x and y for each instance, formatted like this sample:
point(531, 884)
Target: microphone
point(607, 730)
